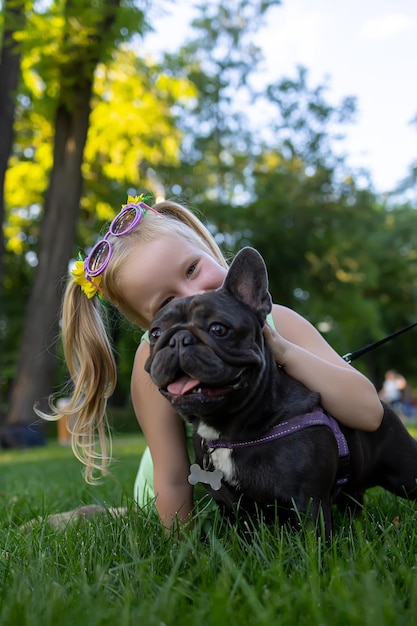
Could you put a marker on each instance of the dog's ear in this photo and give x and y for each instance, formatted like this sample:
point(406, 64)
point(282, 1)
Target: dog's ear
point(247, 280)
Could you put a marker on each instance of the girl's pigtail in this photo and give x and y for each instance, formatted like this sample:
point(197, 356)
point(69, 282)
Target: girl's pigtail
point(91, 365)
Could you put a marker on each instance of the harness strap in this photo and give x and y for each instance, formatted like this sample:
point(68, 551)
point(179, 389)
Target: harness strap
point(317, 418)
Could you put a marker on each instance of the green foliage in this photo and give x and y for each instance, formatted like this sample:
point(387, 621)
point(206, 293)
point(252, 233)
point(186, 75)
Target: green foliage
point(220, 59)
point(305, 125)
point(131, 126)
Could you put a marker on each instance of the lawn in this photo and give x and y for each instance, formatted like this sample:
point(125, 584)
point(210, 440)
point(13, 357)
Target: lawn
point(125, 571)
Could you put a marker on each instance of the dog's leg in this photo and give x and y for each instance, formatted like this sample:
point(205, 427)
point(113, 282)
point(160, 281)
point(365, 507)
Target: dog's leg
point(400, 472)
point(315, 514)
point(350, 504)
point(397, 458)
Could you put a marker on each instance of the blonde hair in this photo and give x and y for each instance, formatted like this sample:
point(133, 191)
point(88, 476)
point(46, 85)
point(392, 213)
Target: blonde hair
point(87, 349)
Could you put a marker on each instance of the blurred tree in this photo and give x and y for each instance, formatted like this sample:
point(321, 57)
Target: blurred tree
point(13, 21)
point(88, 32)
point(395, 292)
point(281, 183)
point(131, 125)
point(406, 190)
point(324, 239)
point(221, 60)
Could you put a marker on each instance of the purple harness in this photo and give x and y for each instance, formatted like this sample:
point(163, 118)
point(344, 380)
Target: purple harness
point(317, 418)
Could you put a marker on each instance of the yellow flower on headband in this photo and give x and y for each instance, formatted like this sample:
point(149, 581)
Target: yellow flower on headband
point(134, 199)
point(80, 278)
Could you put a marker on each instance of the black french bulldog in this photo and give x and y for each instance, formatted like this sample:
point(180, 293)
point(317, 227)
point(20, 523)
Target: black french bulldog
point(261, 439)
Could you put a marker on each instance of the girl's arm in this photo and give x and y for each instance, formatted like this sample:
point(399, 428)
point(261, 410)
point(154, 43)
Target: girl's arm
point(164, 433)
point(345, 393)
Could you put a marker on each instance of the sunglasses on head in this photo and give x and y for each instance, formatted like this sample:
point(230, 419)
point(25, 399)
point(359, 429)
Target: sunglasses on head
point(100, 255)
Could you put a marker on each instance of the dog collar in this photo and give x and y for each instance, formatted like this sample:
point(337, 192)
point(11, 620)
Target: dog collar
point(317, 418)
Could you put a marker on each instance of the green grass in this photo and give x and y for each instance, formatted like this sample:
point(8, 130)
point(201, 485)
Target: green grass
point(125, 571)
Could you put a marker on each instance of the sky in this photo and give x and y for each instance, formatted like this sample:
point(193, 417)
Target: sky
point(362, 48)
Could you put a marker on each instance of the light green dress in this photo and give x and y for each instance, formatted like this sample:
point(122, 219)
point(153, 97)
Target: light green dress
point(144, 493)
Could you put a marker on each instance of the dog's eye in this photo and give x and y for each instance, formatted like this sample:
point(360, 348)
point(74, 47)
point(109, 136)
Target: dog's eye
point(219, 330)
point(154, 335)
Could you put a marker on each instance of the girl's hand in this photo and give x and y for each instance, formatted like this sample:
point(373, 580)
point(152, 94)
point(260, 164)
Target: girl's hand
point(277, 344)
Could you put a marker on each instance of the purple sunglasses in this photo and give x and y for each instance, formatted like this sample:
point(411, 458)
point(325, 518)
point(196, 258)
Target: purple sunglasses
point(123, 223)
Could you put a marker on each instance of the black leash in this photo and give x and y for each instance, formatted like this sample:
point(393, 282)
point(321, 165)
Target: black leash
point(351, 356)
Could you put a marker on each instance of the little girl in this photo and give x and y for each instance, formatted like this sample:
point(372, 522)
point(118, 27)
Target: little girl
point(149, 256)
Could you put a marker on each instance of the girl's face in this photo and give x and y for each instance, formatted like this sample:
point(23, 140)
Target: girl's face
point(169, 267)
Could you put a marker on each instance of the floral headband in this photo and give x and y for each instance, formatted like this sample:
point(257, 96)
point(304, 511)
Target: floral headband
point(87, 272)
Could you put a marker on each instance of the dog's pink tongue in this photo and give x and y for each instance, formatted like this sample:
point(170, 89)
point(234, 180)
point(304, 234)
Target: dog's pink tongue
point(182, 385)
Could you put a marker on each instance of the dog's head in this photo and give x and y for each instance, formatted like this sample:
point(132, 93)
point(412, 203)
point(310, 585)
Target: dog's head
point(207, 350)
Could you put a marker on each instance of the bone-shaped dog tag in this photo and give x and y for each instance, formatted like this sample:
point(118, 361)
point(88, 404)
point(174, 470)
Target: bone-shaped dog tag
point(198, 475)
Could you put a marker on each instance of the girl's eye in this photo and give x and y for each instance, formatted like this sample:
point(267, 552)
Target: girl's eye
point(218, 330)
point(191, 269)
point(166, 302)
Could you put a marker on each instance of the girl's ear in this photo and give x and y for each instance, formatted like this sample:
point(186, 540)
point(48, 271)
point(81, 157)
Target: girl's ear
point(247, 280)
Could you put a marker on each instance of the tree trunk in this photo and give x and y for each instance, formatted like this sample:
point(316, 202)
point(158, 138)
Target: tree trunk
point(14, 19)
point(37, 360)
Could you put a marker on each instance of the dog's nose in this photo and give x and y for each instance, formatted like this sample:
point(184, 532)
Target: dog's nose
point(182, 338)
